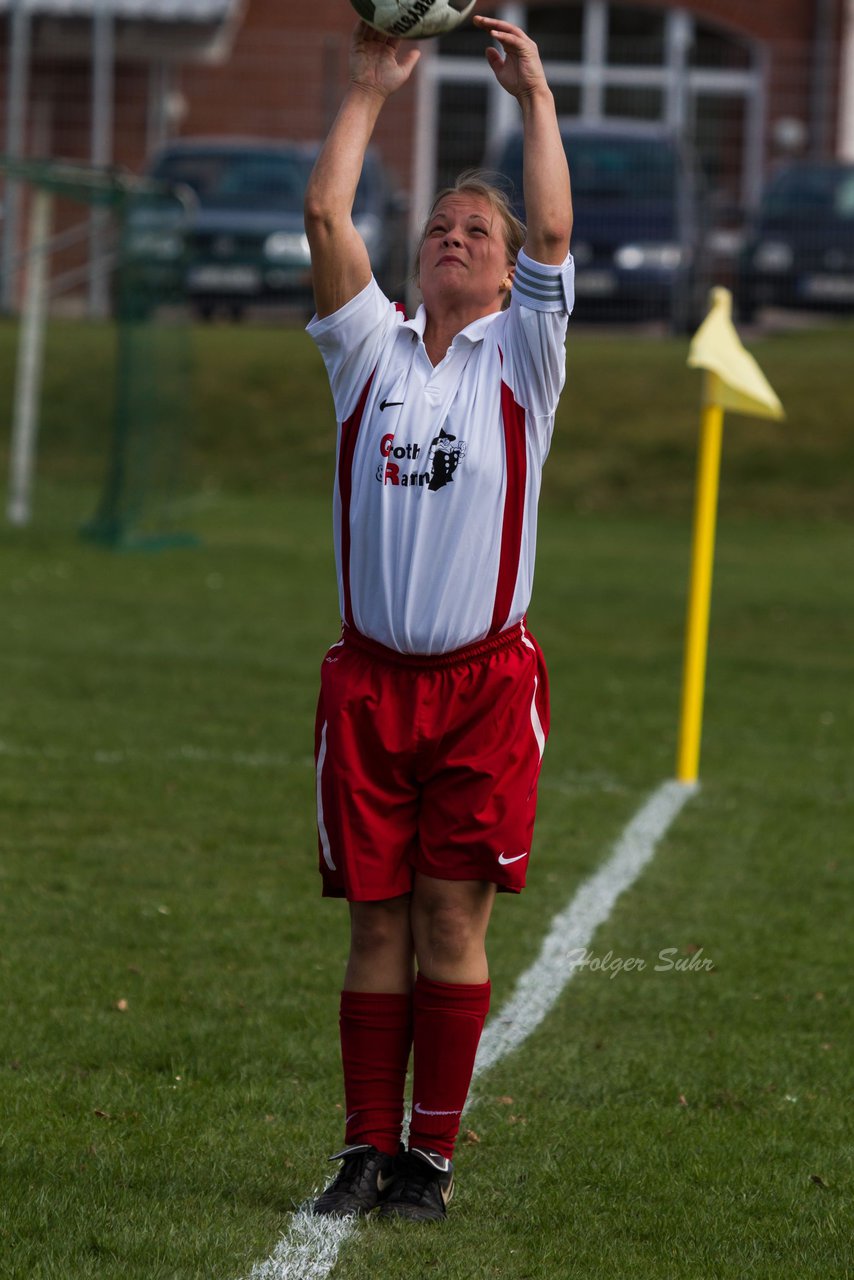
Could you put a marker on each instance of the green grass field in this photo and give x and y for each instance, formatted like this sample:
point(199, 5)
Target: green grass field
point(169, 1078)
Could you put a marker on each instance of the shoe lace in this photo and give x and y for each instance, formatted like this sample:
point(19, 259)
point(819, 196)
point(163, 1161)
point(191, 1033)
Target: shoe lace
point(415, 1178)
point(351, 1171)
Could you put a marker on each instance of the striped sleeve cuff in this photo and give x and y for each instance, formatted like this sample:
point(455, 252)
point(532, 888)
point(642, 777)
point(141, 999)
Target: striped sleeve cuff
point(544, 288)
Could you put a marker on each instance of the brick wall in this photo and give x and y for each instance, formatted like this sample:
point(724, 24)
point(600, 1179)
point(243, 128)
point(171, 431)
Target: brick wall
point(288, 69)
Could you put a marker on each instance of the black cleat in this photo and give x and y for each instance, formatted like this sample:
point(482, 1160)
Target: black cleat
point(365, 1178)
point(423, 1186)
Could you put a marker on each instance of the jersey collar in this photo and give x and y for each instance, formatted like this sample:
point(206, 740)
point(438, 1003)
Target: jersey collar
point(473, 333)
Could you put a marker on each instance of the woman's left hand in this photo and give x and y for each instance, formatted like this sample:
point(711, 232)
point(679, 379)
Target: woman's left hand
point(518, 68)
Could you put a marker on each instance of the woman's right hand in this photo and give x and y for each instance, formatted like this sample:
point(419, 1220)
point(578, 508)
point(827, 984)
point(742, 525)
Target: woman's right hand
point(374, 61)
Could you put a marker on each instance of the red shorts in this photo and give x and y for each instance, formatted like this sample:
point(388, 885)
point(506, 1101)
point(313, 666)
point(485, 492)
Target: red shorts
point(428, 764)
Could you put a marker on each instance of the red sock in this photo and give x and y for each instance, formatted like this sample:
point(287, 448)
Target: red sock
point(376, 1037)
point(449, 1018)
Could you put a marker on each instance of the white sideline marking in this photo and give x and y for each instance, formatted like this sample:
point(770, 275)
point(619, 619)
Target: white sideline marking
point(308, 1252)
point(310, 1248)
point(539, 987)
point(190, 754)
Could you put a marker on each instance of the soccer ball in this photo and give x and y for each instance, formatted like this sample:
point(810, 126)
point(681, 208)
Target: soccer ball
point(414, 19)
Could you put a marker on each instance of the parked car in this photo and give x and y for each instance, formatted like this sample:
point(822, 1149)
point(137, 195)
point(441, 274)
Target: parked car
point(243, 240)
point(799, 251)
point(639, 234)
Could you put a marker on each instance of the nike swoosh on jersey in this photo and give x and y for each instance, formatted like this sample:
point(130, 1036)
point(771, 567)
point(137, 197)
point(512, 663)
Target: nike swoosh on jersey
point(505, 861)
point(389, 404)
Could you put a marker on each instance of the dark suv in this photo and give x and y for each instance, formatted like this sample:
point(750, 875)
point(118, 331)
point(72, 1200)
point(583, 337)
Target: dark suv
point(244, 241)
point(639, 237)
point(799, 251)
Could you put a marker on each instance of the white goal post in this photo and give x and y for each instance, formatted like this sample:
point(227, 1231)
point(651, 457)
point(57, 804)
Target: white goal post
point(25, 415)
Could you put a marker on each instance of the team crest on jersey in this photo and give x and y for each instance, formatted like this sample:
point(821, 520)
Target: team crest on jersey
point(444, 456)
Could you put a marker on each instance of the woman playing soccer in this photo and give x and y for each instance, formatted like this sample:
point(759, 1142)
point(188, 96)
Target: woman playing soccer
point(433, 710)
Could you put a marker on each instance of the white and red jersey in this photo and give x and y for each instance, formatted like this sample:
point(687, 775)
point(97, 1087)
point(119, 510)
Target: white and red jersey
point(438, 468)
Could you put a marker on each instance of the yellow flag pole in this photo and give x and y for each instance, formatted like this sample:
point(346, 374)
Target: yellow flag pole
point(700, 591)
point(733, 380)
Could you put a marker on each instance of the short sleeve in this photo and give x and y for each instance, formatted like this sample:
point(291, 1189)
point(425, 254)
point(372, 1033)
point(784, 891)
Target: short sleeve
point(543, 287)
point(534, 348)
point(350, 342)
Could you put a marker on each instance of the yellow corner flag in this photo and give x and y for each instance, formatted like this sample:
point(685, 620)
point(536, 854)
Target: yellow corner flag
point(733, 381)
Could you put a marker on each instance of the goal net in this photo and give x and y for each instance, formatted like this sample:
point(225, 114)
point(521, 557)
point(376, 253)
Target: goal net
point(143, 458)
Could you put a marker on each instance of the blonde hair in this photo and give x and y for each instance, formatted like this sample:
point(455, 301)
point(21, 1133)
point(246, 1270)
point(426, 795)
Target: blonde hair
point(475, 182)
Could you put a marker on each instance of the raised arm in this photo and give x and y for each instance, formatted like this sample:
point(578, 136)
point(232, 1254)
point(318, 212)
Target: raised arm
point(339, 260)
point(545, 173)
